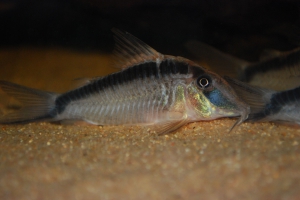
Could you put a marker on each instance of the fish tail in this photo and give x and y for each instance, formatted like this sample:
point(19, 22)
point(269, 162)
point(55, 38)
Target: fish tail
point(32, 105)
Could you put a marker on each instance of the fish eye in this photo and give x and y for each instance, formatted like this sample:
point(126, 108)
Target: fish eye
point(203, 82)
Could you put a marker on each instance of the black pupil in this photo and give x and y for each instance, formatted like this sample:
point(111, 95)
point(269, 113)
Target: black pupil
point(203, 82)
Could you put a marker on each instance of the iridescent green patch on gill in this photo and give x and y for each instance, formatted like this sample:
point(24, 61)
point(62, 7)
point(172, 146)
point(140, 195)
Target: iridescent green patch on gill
point(179, 102)
point(199, 102)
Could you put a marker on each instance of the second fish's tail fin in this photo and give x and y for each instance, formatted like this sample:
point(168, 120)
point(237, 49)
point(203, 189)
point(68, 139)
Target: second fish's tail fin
point(33, 105)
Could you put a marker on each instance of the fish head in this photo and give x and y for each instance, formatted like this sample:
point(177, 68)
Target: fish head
point(209, 96)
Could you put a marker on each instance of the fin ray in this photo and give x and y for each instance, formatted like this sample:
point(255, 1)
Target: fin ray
point(168, 127)
point(217, 61)
point(268, 54)
point(35, 104)
point(255, 97)
point(129, 50)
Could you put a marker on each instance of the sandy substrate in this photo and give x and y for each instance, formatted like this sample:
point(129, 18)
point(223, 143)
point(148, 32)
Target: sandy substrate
point(200, 161)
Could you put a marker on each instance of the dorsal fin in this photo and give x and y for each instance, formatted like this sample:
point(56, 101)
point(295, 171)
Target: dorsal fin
point(268, 54)
point(129, 50)
point(219, 62)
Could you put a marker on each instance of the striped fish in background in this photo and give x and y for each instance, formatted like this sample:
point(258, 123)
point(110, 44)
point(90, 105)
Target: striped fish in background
point(276, 70)
point(271, 87)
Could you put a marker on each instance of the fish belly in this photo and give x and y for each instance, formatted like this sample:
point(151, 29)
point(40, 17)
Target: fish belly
point(144, 101)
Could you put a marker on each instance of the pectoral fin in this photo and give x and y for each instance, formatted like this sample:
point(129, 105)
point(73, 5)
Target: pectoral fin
point(168, 126)
point(254, 96)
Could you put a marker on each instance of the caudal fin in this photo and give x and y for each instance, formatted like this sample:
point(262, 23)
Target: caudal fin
point(33, 105)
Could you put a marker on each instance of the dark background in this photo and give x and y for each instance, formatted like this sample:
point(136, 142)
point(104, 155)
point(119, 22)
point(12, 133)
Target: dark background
point(242, 28)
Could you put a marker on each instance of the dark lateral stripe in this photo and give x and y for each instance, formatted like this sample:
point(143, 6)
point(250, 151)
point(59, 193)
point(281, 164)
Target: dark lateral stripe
point(277, 63)
point(277, 101)
point(169, 66)
point(141, 71)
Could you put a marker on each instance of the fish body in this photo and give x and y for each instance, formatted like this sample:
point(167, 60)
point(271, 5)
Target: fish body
point(269, 105)
point(276, 70)
point(160, 91)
